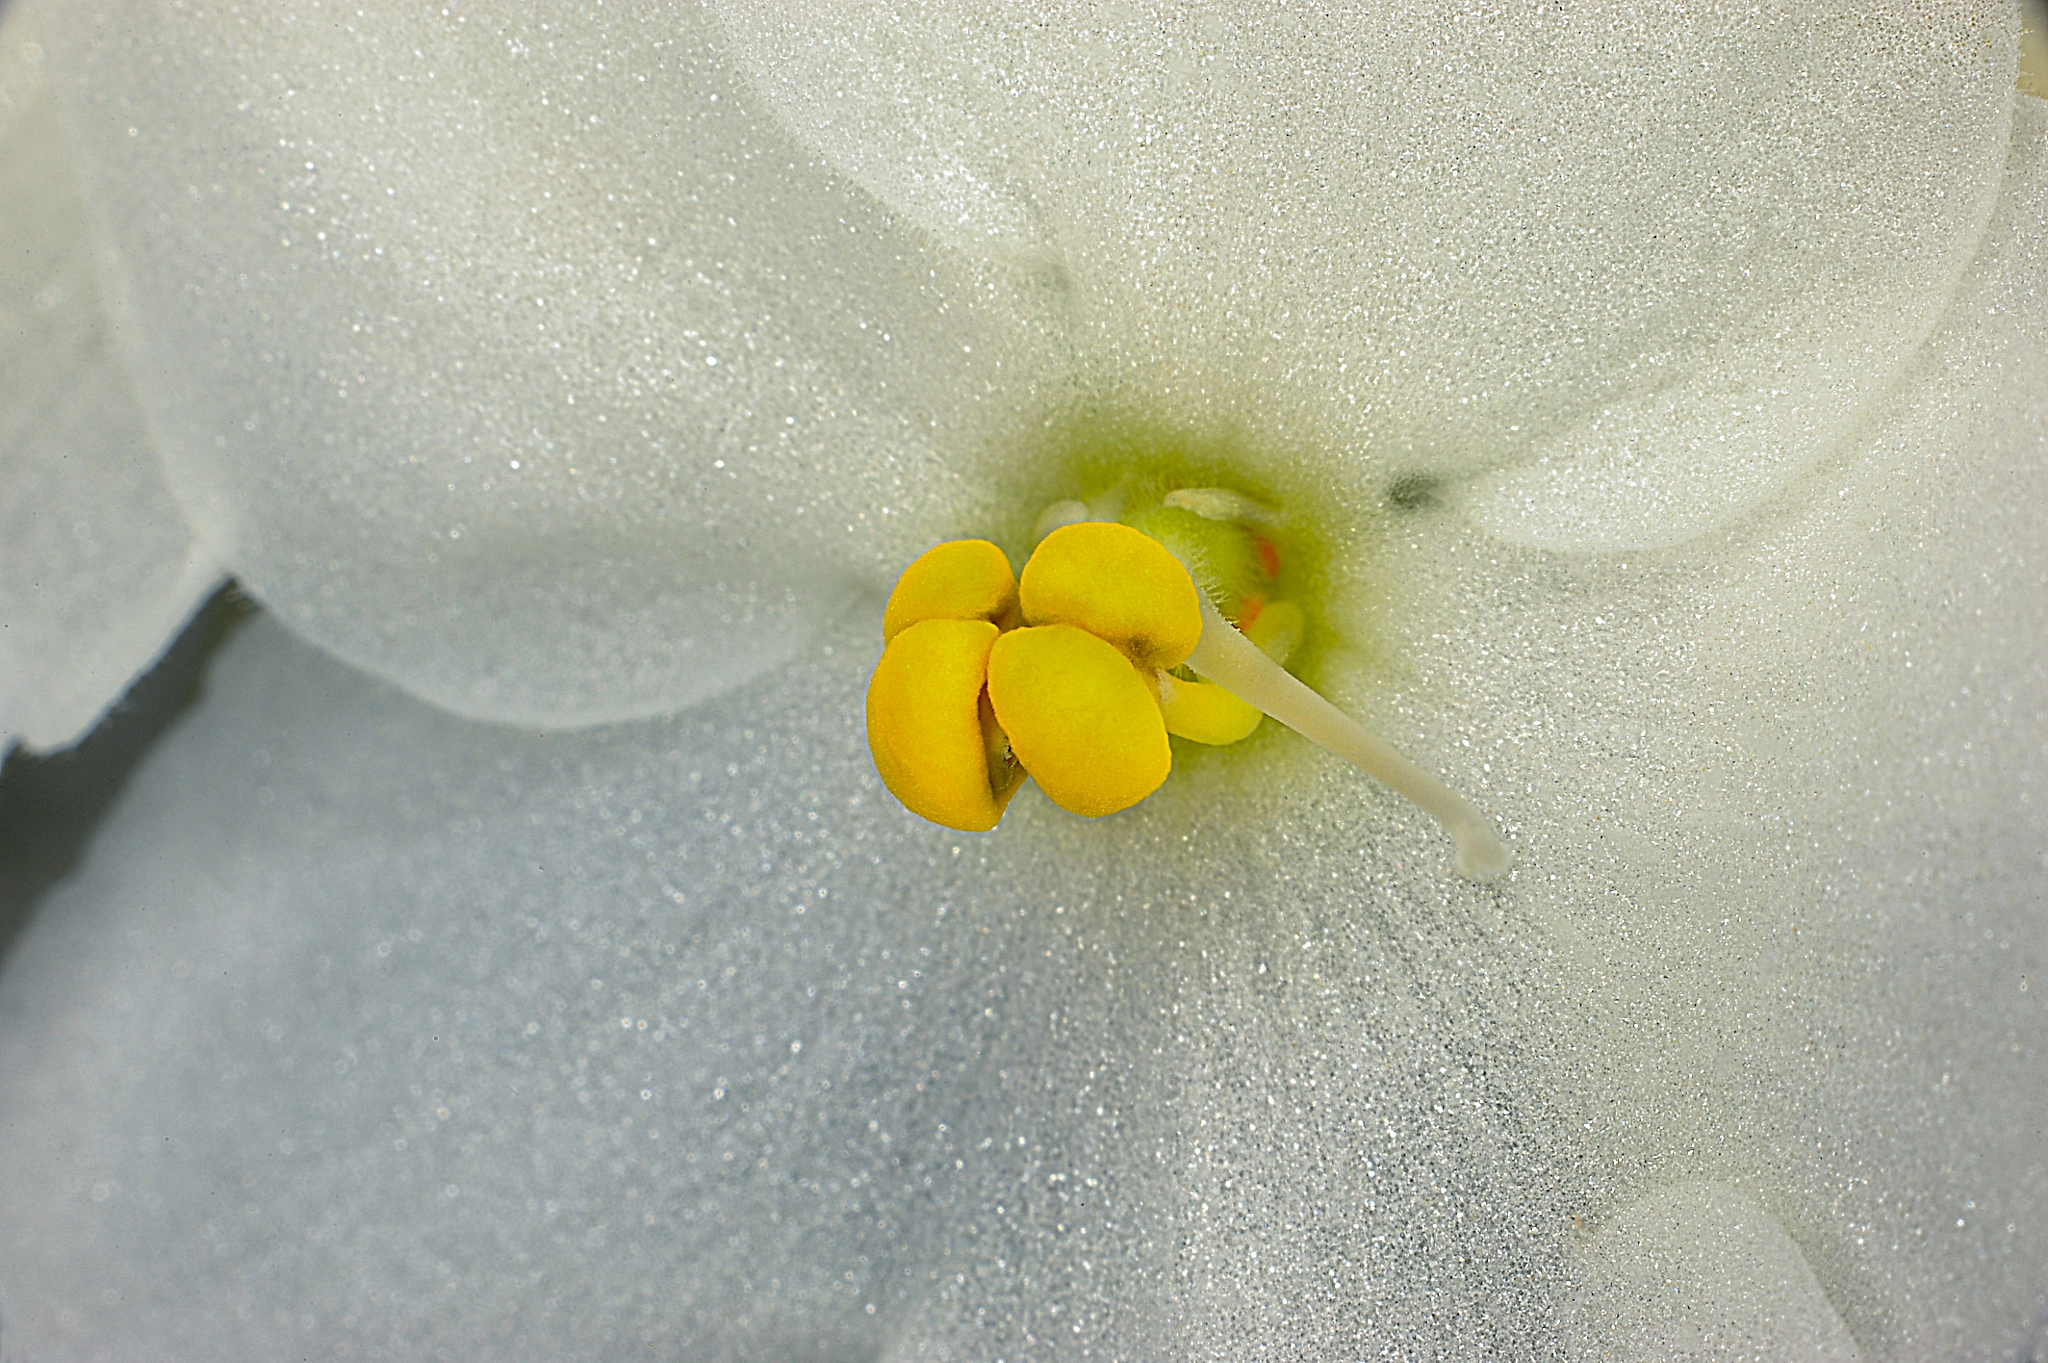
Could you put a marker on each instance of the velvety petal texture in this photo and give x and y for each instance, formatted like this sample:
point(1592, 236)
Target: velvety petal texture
point(514, 357)
point(368, 1026)
point(97, 567)
point(1701, 1272)
point(1619, 270)
point(574, 366)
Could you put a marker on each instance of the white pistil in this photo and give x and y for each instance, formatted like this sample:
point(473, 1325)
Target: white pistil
point(1235, 663)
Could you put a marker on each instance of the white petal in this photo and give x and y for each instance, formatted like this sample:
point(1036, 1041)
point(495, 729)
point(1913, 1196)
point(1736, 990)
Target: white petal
point(97, 568)
point(1240, 1072)
point(1786, 831)
point(342, 1022)
point(1701, 1272)
point(1632, 269)
point(518, 361)
point(343, 1014)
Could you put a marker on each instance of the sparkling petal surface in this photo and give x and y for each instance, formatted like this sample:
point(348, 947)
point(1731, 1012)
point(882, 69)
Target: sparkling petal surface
point(338, 1036)
point(425, 308)
point(1701, 1272)
point(515, 358)
point(1621, 271)
point(97, 569)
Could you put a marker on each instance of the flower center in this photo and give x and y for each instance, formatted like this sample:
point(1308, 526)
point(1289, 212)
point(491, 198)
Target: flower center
point(1112, 639)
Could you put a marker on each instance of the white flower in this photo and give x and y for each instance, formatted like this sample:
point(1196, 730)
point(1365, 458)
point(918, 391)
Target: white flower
point(1666, 387)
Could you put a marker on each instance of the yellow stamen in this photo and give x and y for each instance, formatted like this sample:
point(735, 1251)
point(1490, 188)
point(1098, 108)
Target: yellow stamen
point(1120, 586)
point(1066, 672)
point(958, 580)
point(929, 727)
point(1205, 712)
point(1084, 722)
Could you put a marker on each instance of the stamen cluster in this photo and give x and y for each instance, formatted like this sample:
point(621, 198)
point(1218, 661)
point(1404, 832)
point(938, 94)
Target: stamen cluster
point(1065, 675)
point(1076, 673)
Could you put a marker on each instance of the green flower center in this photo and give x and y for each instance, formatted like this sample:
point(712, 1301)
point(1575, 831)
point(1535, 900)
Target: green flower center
point(1140, 614)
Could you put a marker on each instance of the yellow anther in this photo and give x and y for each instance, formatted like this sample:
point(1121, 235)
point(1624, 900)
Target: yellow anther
point(1065, 673)
point(931, 728)
point(1119, 585)
point(1206, 713)
point(964, 702)
point(1084, 722)
point(958, 580)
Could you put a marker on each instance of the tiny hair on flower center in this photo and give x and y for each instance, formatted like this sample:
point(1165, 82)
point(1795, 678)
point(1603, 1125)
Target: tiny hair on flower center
point(1133, 619)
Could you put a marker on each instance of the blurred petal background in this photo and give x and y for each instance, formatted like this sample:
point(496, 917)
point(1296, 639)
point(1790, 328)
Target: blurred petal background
point(379, 1014)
